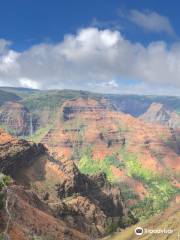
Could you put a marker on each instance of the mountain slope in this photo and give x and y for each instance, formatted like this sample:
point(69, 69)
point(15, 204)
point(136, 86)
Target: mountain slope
point(81, 202)
point(43, 104)
point(158, 113)
point(16, 119)
point(140, 157)
point(169, 219)
point(6, 96)
point(136, 105)
point(31, 219)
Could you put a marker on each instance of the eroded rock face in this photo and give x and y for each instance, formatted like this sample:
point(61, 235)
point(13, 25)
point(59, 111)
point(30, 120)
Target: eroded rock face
point(91, 204)
point(30, 218)
point(83, 122)
point(16, 118)
point(85, 215)
point(88, 204)
point(108, 133)
point(71, 108)
point(158, 113)
point(16, 154)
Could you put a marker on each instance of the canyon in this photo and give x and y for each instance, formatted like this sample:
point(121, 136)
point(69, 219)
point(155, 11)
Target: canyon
point(47, 197)
point(86, 164)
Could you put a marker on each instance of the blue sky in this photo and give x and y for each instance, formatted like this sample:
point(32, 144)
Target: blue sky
point(26, 22)
point(107, 45)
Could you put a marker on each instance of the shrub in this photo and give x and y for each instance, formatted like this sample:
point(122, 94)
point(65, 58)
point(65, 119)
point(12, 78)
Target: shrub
point(87, 165)
point(4, 181)
point(1, 236)
point(112, 160)
point(111, 228)
point(1, 200)
point(161, 191)
point(125, 222)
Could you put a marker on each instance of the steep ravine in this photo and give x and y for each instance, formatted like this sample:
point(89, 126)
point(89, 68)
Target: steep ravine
point(55, 207)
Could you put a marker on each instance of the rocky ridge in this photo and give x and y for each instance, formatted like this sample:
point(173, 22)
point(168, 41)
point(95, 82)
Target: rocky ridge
point(16, 118)
point(159, 113)
point(16, 154)
point(80, 202)
point(95, 204)
point(26, 217)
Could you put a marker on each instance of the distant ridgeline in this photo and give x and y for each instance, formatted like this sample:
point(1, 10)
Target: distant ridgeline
point(134, 140)
point(36, 109)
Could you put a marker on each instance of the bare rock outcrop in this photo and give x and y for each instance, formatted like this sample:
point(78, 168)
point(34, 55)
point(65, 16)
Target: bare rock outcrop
point(16, 154)
point(16, 118)
point(90, 203)
point(29, 218)
point(159, 113)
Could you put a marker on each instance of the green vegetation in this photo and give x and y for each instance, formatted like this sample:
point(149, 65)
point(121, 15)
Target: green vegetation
point(45, 104)
point(135, 169)
point(7, 96)
point(4, 181)
point(38, 238)
point(111, 228)
point(78, 151)
point(87, 165)
point(160, 221)
point(127, 192)
point(11, 131)
point(112, 160)
point(53, 99)
point(160, 189)
point(123, 222)
point(20, 93)
point(1, 200)
point(40, 134)
point(1, 236)
point(35, 237)
point(126, 221)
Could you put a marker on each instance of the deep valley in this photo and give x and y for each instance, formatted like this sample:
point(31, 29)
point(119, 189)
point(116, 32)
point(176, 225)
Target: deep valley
point(81, 165)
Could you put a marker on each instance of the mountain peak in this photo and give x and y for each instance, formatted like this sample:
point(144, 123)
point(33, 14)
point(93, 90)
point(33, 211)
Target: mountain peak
point(161, 114)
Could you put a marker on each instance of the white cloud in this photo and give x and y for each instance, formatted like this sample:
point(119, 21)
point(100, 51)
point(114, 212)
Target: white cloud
point(8, 62)
point(108, 86)
point(151, 21)
point(4, 44)
point(29, 83)
point(95, 60)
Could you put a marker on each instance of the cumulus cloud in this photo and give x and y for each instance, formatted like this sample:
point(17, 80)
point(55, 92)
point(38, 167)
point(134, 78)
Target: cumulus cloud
point(4, 44)
point(95, 60)
point(28, 83)
point(151, 21)
point(107, 86)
